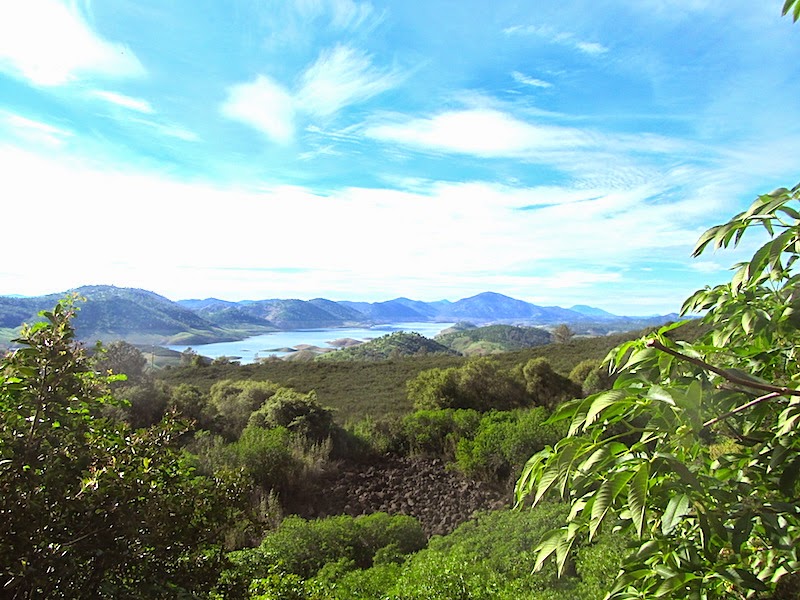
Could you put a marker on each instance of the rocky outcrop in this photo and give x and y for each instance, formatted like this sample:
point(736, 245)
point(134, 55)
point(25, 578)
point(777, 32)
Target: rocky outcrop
point(439, 498)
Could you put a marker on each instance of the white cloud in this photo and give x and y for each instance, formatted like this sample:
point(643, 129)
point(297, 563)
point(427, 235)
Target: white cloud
point(348, 14)
point(264, 105)
point(532, 81)
point(37, 132)
point(341, 76)
point(137, 104)
point(343, 14)
point(48, 43)
point(482, 132)
point(591, 47)
point(554, 36)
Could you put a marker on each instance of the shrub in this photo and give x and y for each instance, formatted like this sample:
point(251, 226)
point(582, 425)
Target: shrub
point(504, 441)
point(480, 384)
point(303, 547)
point(299, 413)
point(234, 401)
point(437, 432)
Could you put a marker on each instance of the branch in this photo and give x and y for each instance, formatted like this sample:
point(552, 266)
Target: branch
point(732, 377)
point(739, 409)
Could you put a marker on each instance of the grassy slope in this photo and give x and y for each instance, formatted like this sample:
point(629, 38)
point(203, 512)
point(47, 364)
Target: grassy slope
point(378, 389)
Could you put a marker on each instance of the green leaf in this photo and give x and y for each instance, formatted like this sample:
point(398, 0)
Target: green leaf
point(602, 401)
point(678, 507)
point(604, 499)
point(637, 496)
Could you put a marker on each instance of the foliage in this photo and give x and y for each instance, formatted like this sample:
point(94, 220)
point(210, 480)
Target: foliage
point(436, 432)
point(543, 385)
point(503, 441)
point(301, 547)
point(491, 557)
point(120, 357)
point(299, 413)
point(234, 401)
point(493, 338)
point(793, 7)
point(592, 375)
point(562, 334)
point(696, 449)
point(393, 345)
point(90, 508)
point(480, 384)
point(378, 389)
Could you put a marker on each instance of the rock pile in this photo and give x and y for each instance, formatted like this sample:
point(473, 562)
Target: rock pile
point(422, 488)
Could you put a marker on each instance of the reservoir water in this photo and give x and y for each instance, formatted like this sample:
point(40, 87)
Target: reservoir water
point(253, 348)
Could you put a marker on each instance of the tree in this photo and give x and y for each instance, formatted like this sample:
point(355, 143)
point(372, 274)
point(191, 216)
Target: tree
point(120, 357)
point(562, 334)
point(696, 449)
point(792, 6)
point(90, 508)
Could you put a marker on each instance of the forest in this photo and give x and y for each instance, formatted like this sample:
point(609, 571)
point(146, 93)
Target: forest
point(660, 463)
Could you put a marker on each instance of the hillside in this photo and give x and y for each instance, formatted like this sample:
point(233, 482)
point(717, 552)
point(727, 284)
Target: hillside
point(111, 313)
point(394, 345)
point(144, 317)
point(493, 339)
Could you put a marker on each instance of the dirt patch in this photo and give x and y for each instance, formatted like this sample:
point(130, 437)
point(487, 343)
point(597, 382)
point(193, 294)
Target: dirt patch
point(422, 488)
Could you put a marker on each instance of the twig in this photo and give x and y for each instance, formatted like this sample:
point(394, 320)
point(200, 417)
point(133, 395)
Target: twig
point(739, 409)
point(756, 385)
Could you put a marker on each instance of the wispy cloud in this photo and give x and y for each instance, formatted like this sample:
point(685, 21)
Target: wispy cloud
point(49, 43)
point(136, 104)
point(343, 14)
point(532, 81)
point(264, 105)
point(554, 36)
point(32, 130)
point(482, 132)
point(341, 76)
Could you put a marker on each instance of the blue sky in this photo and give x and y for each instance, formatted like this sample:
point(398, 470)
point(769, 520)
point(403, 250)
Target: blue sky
point(561, 152)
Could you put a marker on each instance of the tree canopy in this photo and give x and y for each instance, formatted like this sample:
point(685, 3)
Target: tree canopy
point(696, 449)
point(89, 507)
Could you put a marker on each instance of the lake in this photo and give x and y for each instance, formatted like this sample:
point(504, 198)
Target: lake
point(251, 349)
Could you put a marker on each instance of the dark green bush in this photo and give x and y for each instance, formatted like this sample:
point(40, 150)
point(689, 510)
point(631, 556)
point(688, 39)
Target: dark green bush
point(306, 546)
point(480, 384)
point(436, 432)
point(299, 413)
point(234, 401)
point(504, 441)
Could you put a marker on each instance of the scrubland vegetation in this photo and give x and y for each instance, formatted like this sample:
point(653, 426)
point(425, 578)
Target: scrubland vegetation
point(674, 475)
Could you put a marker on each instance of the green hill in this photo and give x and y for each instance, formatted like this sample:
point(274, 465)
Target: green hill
point(393, 345)
point(493, 339)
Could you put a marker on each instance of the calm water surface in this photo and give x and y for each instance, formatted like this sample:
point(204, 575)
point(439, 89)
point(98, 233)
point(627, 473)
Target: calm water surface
point(269, 344)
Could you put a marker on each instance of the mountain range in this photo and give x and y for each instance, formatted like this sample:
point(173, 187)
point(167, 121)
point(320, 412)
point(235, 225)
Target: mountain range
point(144, 317)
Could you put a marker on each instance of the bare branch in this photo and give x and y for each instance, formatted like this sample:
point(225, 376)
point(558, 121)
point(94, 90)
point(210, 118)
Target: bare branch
point(732, 377)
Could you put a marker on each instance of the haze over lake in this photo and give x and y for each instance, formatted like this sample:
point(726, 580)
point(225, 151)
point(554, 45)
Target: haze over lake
point(251, 349)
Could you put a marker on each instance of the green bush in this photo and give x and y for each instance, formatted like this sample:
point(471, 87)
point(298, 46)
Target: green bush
point(543, 385)
point(480, 384)
point(234, 401)
point(436, 432)
point(299, 413)
point(305, 546)
point(503, 442)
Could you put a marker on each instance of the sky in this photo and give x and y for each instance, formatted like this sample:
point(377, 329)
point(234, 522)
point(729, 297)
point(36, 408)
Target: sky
point(557, 151)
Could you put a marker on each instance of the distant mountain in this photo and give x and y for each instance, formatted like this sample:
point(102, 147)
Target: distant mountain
point(141, 316)
point(592, 312)
point(491, 306)
point(392, 310)
point(111, 313)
